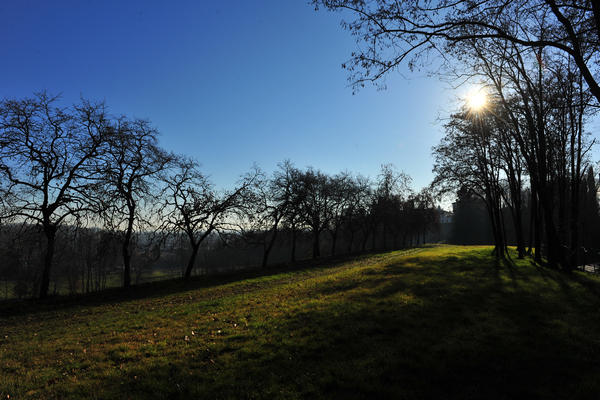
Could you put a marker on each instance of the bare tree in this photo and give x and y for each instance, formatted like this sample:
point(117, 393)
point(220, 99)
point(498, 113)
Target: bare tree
point(391, 32)
point(316, 199)
point(288, 177)
point(392, 189)
point(129, 170)
point(354, 217)
point(193, 207)
point(541, 108)
point(269, 202)
point(467, 157)
point(342, 194)
point(47, 156)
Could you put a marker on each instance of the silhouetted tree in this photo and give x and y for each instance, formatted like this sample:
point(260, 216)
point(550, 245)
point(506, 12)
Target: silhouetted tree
point(192, 206)
point(47, 156)
point(540, 110)
point(392, 32)
point(316, 199)
point(391, 190)
point(354, 217)
point(468, 157)
point(267, 203)
point(470, 222)
point(589, 222)
point(289, 177)
point(342, 194)
point(129, 170)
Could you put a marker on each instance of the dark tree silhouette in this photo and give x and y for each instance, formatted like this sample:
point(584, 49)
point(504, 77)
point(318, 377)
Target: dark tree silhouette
point(470, 224)
point(467, 157)
point(540, 109)
point(391, 191)
point(391, 32)
point(129, 171)
point(267, 203)
point(48, 156)
point(342, 194)
point(316, 199)
point(193, 207)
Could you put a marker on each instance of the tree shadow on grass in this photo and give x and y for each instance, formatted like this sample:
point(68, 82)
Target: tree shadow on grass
point(463, 332)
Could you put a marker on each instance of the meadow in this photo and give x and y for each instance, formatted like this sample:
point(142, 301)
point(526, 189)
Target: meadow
point(445, 322)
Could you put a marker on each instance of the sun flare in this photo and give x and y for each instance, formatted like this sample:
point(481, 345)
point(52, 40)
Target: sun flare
point(476, 99)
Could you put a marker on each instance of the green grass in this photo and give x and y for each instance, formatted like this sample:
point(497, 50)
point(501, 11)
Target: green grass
point(439, 322)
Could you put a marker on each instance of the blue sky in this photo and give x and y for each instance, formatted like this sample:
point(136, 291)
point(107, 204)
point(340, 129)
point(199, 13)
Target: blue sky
point(228, 83)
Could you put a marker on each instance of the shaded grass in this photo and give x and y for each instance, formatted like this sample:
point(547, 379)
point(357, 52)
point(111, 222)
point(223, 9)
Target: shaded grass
point(439, 322)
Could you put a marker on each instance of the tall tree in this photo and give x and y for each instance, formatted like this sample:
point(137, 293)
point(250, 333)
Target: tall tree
point(48, 155)
point(130, 167)
point(467, 157)
point(541, 106)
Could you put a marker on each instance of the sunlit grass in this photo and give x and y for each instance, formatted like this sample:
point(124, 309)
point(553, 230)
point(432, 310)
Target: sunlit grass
point(437, 322)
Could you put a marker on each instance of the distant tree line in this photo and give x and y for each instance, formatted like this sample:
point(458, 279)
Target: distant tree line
point(471, 224)
point(89, 200)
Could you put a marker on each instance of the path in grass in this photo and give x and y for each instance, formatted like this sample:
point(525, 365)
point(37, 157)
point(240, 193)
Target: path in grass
point(442, 322)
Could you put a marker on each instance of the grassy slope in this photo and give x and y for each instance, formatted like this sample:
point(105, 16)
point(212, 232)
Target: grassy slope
point(441, 322)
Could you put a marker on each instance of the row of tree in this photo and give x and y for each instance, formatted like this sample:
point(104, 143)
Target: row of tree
point(530, 136)
point(342, 205)
point(471, 223)
point(77, 184)
point(539, 62)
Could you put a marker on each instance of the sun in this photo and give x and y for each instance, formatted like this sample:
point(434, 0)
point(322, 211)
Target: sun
point(476, 99)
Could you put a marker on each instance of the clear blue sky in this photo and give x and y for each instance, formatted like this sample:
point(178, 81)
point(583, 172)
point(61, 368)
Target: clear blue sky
point(228, 83)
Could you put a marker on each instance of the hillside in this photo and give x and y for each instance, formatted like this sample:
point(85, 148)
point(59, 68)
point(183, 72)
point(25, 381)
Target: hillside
point(438, 322)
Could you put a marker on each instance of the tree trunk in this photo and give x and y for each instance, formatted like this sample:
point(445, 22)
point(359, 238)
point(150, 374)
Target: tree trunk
point(268, 249)
point(265, 258)
point(496, 219)
point(552, 239)
point(125, 249)
point(519, 234)
point(316, 244)
point(517, 213)
point(191, 262)
point(536, 225)
point(498, 251)
point(531, 226)
point(50, 232)
point(538, 234)
point(126, 265)
point(574, 261)
point(515, 210)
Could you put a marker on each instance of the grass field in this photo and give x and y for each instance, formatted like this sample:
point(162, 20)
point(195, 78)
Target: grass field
point(440, 322)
